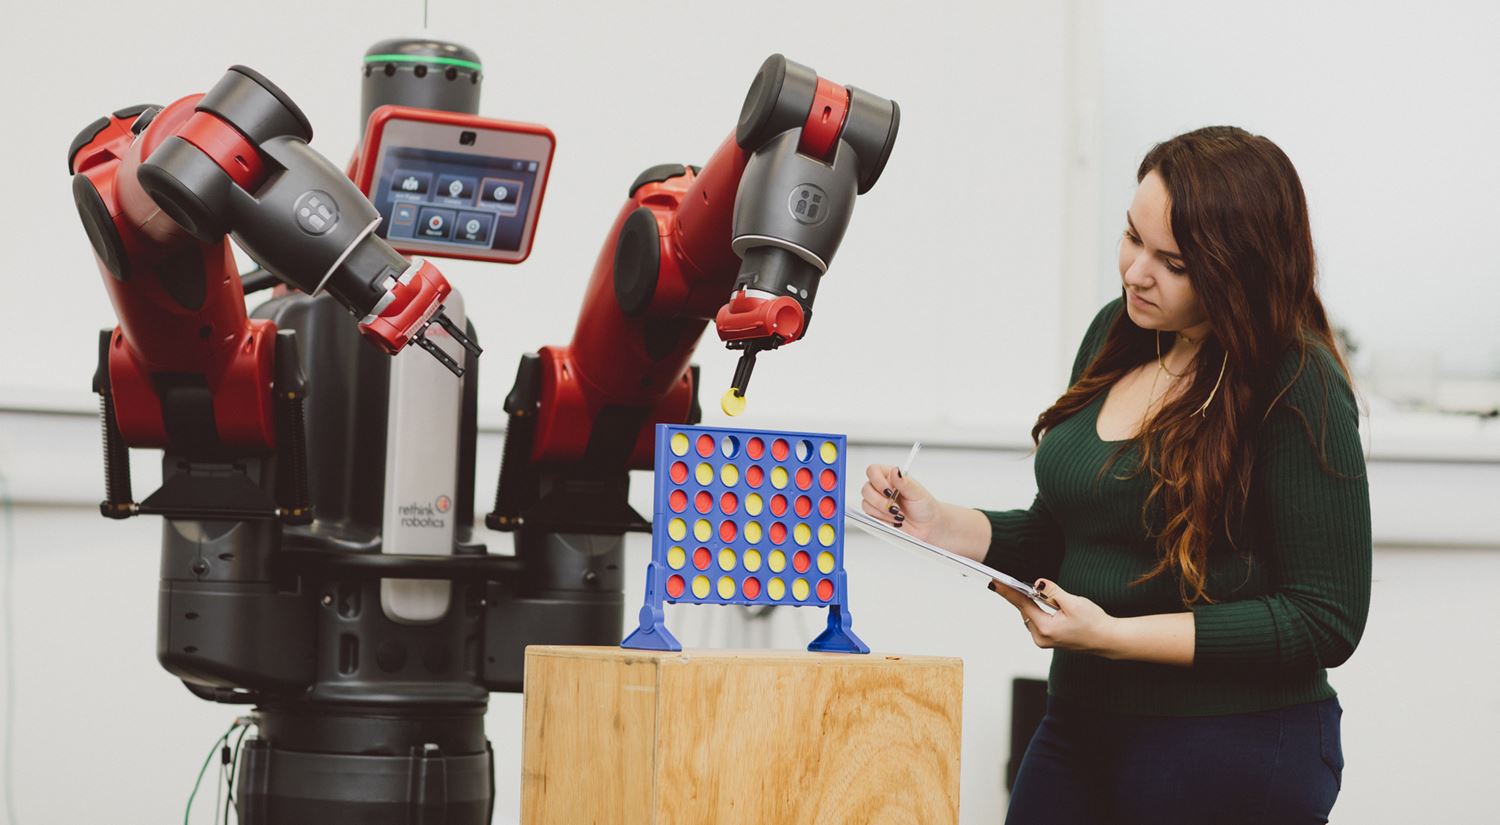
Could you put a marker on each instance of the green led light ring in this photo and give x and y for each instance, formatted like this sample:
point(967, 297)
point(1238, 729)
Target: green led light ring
point(414, 58)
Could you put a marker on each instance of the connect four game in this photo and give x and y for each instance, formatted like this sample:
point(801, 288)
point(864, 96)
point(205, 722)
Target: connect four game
point(747, 517)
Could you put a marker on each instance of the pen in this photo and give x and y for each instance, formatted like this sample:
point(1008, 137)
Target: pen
point(905, 469)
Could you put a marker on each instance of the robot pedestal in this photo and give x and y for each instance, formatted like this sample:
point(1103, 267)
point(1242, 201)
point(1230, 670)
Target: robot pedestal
point(714, 736)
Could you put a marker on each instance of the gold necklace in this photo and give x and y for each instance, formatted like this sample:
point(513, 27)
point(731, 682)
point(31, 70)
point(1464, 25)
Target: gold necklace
point(1161, 362)
point(1162, 367)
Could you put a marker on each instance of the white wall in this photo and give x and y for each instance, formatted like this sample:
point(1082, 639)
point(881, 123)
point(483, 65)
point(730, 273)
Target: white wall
point(1388, 110)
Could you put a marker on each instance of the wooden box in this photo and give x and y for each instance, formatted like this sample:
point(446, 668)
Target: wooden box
point(726, 737)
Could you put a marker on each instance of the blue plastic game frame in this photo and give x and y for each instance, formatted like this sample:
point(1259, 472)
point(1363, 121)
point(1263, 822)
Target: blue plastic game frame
point(680, 555)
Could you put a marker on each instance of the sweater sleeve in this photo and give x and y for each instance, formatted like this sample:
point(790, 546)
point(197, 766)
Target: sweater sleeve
point(1028, 544)
point(1315, 525)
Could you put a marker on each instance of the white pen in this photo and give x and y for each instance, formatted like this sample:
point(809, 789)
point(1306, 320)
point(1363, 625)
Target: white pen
point(905, 468)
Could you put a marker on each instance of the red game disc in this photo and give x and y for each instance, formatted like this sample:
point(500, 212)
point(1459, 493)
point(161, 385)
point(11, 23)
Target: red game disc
point(701, 558)
point(780, 450)
point(827, 506)
point(704, 501)
point(778, 505)
point(825, 589)
point(801, 561)
point(678, 472)
point(705, 445)
point(674, 586)
point(755, 475)
point(727, 531)
point(804, 478)
point(828, 479)
point(803, 506)
point(752, 587)
point(677, 501)
point(778, 533)
point(729, 503)
point(755, 449)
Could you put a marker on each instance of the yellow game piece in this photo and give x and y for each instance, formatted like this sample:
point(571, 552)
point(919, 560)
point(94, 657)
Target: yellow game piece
point(777, 561)
point(730, 475)
point(726, 559)
point(700, 586)
point(679, 443)
point(753, 532)
point(677, 528)
point(752, 560)
point(800, 590)
point(778, 477)
point(676, 557)
point(702, 529)
point(705, 474)
point(826, 536)
point(802, 534)
point(829, 451)
point(726, 587)
point(732, 403)
point(776, 588)
point(754, 504)
point(825, 561)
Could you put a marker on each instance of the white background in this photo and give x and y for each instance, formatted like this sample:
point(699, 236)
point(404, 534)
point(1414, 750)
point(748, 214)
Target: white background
point(949, 315)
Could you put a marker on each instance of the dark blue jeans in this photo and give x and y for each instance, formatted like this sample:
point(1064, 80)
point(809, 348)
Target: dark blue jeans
point(1278, 766)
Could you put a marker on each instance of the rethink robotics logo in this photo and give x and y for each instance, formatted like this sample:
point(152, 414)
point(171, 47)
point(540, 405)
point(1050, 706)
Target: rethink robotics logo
point(427, 515)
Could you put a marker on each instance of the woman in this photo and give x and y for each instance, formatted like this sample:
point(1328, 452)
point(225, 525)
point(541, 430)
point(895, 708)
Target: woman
point(1202, 524)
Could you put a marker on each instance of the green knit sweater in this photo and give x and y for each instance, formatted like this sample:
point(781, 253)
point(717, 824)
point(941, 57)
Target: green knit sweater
point(1288, 604)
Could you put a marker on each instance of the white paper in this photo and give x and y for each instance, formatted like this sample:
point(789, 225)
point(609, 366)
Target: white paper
point(967, 566)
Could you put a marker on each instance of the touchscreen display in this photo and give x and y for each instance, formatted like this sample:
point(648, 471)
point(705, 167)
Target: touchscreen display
point(463, 201)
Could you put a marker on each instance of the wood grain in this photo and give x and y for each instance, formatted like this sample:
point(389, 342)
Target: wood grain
point(730, 737)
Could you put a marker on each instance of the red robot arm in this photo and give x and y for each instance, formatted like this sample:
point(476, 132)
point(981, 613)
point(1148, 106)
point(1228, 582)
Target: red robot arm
point(725, 243)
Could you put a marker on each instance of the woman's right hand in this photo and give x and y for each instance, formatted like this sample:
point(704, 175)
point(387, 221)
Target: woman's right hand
point(900, 501)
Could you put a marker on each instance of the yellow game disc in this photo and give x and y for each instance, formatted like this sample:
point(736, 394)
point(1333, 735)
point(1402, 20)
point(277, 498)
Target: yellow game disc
point(731, 403)
point(777, 561)
point(778, 477)
point(700, 586)
point(677, 528)
point(705, 474)
point(679, 444)
point(802, 534)
point(825, 561)
point(676, 558)
point(753, 532)
point(800, 590)
point(726, 559)
point(702, 529)
point(776, 589)
point(826, 536)
point(754, 504)
point(752, 560)
point(730, 475)
point(726, 587)
point(829, 451)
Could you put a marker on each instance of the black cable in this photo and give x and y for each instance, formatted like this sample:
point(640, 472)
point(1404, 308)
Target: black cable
point(256, 280)
point(6, 506)
point(234, 765)
point(221, 741)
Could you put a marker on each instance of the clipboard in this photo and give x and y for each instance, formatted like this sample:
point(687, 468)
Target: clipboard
point(967, 566)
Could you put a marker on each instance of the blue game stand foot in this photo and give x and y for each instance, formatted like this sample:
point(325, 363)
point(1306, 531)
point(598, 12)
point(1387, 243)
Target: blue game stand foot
point(837, 637)
point(653, 633)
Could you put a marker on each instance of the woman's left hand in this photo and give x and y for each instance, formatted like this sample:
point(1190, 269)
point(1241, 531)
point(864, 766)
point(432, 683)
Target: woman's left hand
point(1078, 625)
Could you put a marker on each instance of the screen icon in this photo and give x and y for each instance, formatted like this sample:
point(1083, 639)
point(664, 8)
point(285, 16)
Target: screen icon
point(435, 223)
point(500, 192)
point(411, 183)
point(474, 227)
point(455, 186)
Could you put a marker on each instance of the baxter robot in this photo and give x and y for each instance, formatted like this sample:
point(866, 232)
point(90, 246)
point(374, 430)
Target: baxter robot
point(318, 554)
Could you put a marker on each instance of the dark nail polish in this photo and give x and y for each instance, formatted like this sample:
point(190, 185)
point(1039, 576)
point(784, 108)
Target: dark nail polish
point(900, 517)
point(895, 511)
point(897, 525)
point(889, 492)
point(1041, 585)
point(900, 474)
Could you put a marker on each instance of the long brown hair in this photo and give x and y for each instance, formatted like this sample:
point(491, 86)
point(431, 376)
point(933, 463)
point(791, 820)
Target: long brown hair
point(1239, 216)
